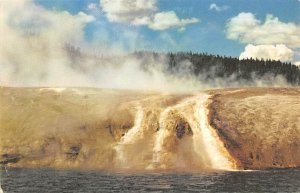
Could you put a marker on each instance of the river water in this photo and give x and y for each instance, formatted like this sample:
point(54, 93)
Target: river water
point(63, 181)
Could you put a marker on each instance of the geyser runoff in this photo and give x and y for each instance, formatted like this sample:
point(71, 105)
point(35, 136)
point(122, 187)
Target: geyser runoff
point(108, 129)
point(183, 139)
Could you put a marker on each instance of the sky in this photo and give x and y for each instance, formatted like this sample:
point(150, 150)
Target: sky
point(34, 35)
point(191, 25)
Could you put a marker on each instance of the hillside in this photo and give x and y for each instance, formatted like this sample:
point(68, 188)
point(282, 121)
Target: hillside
point(226, 129)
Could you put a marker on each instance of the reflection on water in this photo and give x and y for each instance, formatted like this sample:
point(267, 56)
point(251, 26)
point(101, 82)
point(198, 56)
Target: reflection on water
point(48, 180)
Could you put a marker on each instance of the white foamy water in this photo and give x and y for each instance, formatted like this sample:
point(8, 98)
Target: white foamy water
point(209, 148)
point(159, 140)
point(217, 153)
point(163, 132)
point(129, 138)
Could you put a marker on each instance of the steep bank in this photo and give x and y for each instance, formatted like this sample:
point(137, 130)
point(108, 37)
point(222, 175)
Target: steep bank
point(120, 129)
point(259, 126)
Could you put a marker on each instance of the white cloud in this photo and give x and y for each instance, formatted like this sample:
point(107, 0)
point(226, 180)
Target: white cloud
point(166, 20)
point(246, 28)
point(298, 62)
point(143, 12)
point(127, 10)
point(217, 8)
point(277, 52)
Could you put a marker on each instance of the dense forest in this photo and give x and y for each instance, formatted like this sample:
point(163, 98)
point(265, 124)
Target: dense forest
point(205, 67)
point(216, 66)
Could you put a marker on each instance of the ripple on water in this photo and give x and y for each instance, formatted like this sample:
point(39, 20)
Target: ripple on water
point(47, 180)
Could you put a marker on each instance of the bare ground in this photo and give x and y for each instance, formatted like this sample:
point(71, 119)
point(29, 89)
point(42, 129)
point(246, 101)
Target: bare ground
point(259, 126)
point(79, 128)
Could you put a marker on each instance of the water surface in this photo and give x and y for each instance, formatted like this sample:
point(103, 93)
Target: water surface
point(62, 181)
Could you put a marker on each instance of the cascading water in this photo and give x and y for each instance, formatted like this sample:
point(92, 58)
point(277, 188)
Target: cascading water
point(216, 152)
point(208, 149)
point(128, 139)
point(134, 130)
point(158, 145)
point(168, 132)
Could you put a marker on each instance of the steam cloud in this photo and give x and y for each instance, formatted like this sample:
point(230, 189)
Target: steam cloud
point(34, 52)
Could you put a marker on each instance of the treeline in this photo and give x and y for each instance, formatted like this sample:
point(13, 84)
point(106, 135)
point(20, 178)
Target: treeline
point(202, 65)
point(216, 66)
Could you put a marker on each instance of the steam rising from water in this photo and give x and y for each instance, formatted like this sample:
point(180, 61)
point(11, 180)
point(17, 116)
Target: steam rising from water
point(35, 51)
point(163, 136)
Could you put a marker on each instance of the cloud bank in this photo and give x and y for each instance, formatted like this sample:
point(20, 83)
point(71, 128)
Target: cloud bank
point(143, 13)
point(277, 52)
point(269, 39)
point(246, 28)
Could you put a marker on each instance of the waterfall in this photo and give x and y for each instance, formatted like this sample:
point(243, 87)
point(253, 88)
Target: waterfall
point(158, 144)
point(207, 147)
point(129, 138)
point(124, 129)
point(216, 152)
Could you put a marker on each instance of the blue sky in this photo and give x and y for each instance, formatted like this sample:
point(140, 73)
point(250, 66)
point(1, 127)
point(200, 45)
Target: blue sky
point(208, 34)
